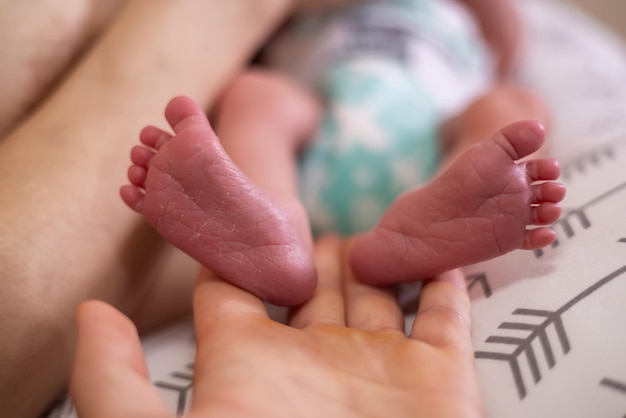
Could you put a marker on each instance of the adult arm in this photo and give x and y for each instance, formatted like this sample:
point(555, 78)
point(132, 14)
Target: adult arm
point(65, 236)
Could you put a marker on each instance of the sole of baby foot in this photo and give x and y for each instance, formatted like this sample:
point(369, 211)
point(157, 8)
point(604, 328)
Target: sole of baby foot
point(188, 188)
point(490, 201)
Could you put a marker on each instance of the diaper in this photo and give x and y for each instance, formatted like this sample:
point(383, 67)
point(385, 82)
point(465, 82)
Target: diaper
point(388, 73)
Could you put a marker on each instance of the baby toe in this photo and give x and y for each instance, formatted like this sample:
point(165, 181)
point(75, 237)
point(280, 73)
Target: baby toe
point(548, 192)
point(545, 214)
point(543, 169)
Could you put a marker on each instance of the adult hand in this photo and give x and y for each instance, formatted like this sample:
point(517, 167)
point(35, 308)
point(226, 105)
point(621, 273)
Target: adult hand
point(344, 354)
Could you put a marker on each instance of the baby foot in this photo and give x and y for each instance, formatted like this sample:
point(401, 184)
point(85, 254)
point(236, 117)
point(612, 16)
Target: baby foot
point(485, 204)
point(188, 188)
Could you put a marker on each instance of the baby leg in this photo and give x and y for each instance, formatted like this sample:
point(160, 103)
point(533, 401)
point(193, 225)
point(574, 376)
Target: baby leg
point(233, 206)
point(478, 208)
point(499, 107)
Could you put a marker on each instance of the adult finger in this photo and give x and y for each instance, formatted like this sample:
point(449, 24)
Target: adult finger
point(327, 305)
point(110, 376)
point(444, 316)
point(367, 307)
point(215, 300)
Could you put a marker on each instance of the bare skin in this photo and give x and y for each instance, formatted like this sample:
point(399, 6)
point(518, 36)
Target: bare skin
point(58, 246)
point(502, 105)
point(79, 79)
point(478, 208)
point(39, 42)
point(336, 359)
point(193, 193)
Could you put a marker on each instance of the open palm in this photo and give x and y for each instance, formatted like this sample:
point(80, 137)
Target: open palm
point(343, 354)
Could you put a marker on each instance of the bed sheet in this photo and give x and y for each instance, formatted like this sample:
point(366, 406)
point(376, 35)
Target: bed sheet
point(549, 327)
